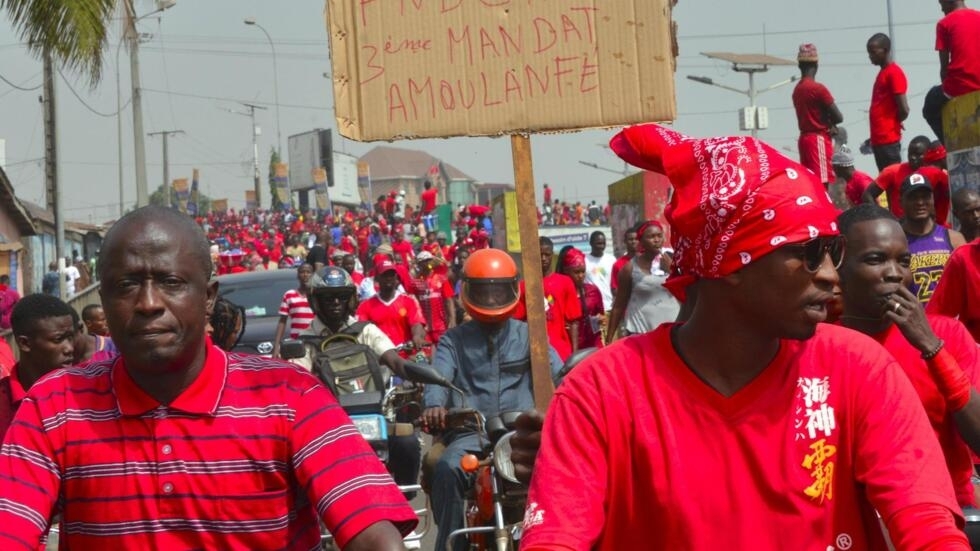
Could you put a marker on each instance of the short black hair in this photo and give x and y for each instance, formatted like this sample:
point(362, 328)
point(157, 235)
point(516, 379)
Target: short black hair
point(597, 233)
point(36, 307)
point(87, 311)
point(882, 39)
point(865, 212)
point(182, 226)
point(920, 139)
point(545, 241)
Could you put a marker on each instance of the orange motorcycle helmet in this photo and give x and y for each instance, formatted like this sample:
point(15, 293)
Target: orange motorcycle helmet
point(490, 291)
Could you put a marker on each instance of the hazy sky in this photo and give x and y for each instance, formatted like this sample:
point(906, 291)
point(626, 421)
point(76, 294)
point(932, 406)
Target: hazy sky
point(202, 59)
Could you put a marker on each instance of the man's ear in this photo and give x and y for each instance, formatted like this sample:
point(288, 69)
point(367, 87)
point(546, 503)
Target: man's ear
point(23, 343)
point(212, 294)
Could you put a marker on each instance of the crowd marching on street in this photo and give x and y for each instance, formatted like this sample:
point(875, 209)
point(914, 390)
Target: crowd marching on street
point(786, 359)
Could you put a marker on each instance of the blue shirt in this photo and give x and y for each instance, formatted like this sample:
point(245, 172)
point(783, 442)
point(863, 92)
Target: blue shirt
point(492, 369)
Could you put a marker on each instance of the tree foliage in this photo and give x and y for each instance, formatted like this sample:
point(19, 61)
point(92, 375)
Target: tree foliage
point(73, 31)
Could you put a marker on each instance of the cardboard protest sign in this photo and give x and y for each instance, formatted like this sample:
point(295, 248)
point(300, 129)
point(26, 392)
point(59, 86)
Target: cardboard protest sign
point(430, 68)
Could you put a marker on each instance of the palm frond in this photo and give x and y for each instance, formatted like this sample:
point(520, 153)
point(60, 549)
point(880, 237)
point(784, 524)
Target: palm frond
point(74, 31)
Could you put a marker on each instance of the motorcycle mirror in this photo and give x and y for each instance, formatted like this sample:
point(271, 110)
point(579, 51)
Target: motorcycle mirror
point(291, 349)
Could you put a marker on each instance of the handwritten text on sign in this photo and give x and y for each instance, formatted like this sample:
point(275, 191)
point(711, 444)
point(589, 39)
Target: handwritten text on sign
point(422, 67)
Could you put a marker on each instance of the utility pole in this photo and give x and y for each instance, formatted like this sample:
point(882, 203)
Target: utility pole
point(255, 153)
point(139, 157)
point(166, 163)
point(52, 189)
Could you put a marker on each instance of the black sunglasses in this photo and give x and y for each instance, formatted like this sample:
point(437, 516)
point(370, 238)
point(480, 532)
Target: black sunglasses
point(815, 249)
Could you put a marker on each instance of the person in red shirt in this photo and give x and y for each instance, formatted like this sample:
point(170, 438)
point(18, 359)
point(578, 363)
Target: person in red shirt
point(794, 415)
point(855, 181)
point(44, 330)
point(194, 448)
point(890, 181)
point(401, 246)
point(958, 289)
point(631, 241)
point(562, 308)
point(396, 314)
point(435, 294)
point(571, 262)
point(547, 195)
point(889, 106)
point(937, 353)
point(429, 199)
point(966, 209)
point(817, 116)
point(959, 60)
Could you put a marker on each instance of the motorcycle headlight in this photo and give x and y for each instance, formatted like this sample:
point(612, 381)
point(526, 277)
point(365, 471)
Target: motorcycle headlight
point(371, 427)
point(501, 458)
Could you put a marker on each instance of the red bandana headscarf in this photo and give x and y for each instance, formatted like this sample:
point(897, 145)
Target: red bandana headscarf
point(574, 258)
point(735, 199)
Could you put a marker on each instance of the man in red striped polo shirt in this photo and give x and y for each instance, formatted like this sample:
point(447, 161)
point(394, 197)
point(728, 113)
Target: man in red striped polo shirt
point(176, 444)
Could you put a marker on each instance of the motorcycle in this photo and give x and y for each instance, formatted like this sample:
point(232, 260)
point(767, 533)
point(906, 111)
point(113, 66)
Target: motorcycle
point(494, 505)
point(378, 415)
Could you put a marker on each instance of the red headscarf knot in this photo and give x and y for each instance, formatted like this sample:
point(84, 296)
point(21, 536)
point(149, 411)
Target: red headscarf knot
point(735, 198)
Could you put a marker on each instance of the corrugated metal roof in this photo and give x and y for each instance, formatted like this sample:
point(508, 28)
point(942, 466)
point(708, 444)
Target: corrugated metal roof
point(749, 59)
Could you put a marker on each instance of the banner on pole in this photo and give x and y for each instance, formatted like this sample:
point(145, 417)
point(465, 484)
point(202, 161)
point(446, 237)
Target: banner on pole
point(282, 184)
point(320, 185)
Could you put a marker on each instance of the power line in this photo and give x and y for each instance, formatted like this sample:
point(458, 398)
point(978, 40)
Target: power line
point(237, 100)
point(87, 106)
point(21, 88)
point(801, 31)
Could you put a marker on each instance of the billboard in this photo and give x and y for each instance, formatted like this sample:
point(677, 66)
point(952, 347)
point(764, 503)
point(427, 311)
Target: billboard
point(425, 69)
point(344, 188)
point(305, 155)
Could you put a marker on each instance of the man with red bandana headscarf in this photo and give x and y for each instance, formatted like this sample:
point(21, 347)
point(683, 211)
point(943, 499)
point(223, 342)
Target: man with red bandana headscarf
point(752, 425)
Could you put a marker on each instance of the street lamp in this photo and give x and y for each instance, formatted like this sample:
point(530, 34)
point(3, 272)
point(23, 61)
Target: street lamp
point(749, 64)
point(275, 82)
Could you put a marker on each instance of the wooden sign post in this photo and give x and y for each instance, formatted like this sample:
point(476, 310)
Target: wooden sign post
point(527, 221)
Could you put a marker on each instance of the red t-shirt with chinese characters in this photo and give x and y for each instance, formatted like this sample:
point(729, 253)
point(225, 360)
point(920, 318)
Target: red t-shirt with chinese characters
point(394, 318)
point(429, 200)
point(883, 116)
point(637, 448)
point(561, 308)
point(958, 343)
point(958, 293)
point(890, 180)
point(811, 100)
point(957, 34)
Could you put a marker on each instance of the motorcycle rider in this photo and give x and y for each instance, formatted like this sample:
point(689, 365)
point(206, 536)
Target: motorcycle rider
point(333, 297)
point(488, 358)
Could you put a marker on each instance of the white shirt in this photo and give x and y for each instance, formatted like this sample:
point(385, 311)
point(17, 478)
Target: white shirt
point(370, 336)
point(598, 271)
point(72, 274)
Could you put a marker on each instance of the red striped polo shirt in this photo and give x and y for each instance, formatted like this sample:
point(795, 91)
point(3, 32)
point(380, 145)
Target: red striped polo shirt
point(247, 457)
point(296, 307)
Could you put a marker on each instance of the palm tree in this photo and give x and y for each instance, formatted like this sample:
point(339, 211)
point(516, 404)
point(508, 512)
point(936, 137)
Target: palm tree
point(69, 33)
point(72, 32)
